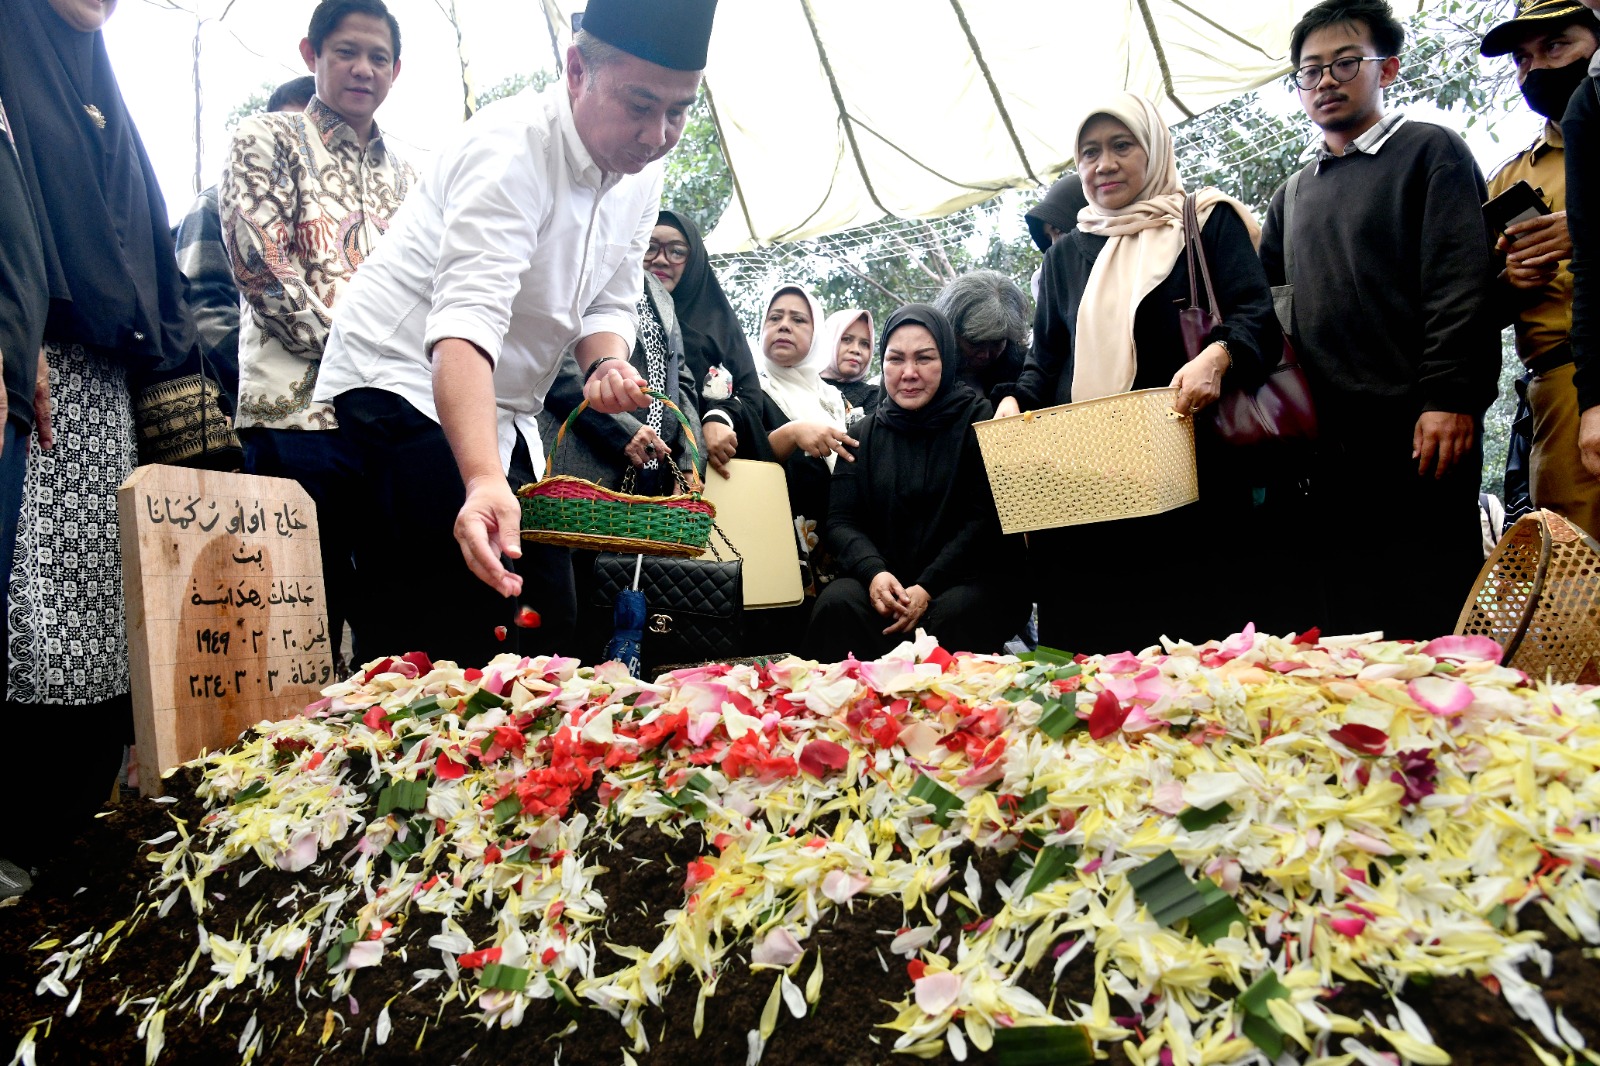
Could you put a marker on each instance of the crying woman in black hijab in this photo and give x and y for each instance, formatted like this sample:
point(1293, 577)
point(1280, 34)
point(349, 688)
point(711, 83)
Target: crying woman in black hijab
point(911, 523)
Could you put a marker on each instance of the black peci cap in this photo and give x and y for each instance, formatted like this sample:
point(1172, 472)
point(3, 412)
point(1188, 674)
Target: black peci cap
point(669, 33)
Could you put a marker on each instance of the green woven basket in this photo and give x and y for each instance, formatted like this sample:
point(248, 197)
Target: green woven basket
point(573, 513)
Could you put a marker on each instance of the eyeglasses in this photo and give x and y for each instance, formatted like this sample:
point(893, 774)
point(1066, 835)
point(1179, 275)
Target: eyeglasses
point(1310, 76)
point(675, 253)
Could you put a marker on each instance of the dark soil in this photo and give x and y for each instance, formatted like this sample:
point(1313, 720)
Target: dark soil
point(99, 880)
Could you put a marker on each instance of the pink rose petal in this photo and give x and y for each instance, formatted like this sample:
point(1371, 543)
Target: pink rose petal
point(1351, 927)
point(777, 948)
point(1168, 798)
point(1441, 695)
point(1123, 662)
point(937, 992)
point(841, 886)
point(1464, 649)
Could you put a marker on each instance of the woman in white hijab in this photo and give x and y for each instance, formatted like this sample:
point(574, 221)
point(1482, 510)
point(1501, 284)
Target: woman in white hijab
point(810, 415)
point(848, 334)
point(804, 415)
point(1107, 323)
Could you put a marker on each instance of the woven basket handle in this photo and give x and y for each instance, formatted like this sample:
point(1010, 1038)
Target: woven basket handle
point(693, 478)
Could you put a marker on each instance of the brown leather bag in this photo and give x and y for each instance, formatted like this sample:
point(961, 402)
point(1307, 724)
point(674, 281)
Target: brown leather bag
point(1279, 409)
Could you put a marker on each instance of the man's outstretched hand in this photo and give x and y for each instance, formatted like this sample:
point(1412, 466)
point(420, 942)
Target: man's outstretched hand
point(488, 527)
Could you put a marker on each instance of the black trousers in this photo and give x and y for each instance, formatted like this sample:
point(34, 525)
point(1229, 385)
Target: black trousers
point(978, 617)
point(416, 591)
point(1397, 551)
point(325, 465)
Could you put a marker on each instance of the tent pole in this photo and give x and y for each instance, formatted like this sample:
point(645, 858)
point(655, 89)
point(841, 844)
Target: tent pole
point(733, 175)
point(1161, 58)
point(994, 91)
point(838, 103)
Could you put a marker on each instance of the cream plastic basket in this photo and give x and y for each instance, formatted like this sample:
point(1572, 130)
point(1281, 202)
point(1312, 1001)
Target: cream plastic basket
point(1538, 597)
point(1119, 456)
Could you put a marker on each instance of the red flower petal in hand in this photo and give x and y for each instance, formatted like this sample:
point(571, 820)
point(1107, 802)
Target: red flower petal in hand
point(1107, 716)
point(821, 756)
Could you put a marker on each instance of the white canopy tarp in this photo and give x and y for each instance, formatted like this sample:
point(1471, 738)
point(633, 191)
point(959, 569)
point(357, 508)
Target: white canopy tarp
point(835, 113)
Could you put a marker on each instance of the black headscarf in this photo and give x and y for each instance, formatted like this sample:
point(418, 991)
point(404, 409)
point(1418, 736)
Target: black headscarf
point(712, 334)
point(1059, 207)
point(113, 276)
point(912, 458)
point(952, 401)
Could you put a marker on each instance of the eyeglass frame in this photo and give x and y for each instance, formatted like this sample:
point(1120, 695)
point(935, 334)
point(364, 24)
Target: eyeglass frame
point(1294, 75)
point(670, 250)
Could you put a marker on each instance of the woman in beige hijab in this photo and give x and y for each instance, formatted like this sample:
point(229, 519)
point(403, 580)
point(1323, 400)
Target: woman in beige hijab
point(1107, 322)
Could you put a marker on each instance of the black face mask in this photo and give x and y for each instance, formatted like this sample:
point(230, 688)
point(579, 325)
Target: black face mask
point(1547, 89)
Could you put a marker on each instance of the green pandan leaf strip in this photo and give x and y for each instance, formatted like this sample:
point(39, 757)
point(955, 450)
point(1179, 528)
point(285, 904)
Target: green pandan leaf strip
point(1049, 656)
point(1197, 818)
point(1059, 718)
point(1163, 887)
point(250, 793)
point(1048, 868)
point(1215, 920)
point(927, 790)
point(1044, 1045)
point(504, 978)
point(1257, 1024)
point(507, 810)
point(480, 701)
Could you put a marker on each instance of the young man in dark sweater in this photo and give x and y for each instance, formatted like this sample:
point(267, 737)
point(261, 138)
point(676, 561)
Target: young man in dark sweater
point(1392, 276)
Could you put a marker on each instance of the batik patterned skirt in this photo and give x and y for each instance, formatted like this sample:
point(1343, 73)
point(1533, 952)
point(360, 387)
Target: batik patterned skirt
point(68, 640)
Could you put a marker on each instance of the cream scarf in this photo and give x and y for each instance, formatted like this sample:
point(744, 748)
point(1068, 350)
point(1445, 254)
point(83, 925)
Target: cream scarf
point(1146, 239)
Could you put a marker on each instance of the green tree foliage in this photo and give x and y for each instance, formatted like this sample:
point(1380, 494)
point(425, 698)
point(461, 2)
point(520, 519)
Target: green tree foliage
point(513, 85)
point(256, 101)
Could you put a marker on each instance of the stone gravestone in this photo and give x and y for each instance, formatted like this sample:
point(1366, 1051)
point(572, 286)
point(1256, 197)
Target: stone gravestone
point(227, 623)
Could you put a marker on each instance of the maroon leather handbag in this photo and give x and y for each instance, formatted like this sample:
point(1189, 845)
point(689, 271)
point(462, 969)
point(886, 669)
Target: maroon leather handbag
point(1280, 408)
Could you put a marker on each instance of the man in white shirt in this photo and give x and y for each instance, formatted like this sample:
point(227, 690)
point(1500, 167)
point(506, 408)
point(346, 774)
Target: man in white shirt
point(523, 239)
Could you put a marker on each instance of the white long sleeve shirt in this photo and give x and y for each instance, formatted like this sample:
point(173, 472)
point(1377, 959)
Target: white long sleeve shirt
point(514, 240)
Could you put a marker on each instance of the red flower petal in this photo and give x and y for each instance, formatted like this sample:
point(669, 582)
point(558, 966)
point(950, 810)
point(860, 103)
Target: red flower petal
point(472, 673)
point(380, 668)
point(1107, 716)
point(940, 656)
point(916, 968)
point(1310, 636)
point(474, 960)
point(499, 634)
point(1363, 738)
point(447, 769)
point(699, 872)
point(821, 756)
point(528, 618)
point(420, 660)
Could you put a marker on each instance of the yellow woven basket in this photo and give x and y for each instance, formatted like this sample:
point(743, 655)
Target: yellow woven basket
point(1116, 457)
point(1538, 597)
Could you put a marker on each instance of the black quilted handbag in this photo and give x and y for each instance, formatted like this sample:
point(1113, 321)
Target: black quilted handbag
point(694, 608)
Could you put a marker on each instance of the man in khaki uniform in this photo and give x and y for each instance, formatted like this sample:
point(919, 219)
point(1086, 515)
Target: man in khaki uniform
point(1551, 43)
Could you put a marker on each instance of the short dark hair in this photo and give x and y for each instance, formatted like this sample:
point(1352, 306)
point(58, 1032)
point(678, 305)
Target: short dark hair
point(326, 18)
point(1387, 34)
point(296, 91)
